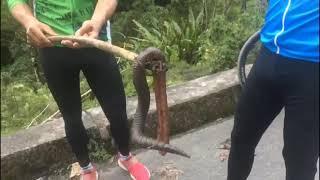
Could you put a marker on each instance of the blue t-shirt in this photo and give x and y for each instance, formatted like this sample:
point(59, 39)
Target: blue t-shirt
point(291, 29)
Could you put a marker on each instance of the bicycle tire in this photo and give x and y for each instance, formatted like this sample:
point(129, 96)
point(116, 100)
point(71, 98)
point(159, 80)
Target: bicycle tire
point(242, 58)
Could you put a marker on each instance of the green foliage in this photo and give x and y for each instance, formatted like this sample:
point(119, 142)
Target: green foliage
point(13, 40)
point(21, 104)
point(123, 24)
point(202, 40)
point(98, 151)
point(179, 40)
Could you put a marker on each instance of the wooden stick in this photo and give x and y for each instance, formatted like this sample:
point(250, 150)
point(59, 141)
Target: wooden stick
point(105, 46)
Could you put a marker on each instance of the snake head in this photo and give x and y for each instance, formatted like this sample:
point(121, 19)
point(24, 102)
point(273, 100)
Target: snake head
point(153, 59)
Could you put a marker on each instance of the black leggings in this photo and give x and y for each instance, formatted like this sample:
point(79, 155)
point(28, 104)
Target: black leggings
point(61, 68)
point(273, 83)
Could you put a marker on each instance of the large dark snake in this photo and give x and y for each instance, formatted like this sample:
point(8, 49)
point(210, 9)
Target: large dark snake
point(152, 59)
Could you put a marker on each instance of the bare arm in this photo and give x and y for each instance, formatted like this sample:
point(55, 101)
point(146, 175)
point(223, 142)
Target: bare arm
point(103, 11)
point(91, 28)
point(23, 14)
point(36, 31)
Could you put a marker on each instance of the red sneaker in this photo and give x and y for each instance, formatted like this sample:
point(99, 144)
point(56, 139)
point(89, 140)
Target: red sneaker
point(89, 175)
point(136, 169)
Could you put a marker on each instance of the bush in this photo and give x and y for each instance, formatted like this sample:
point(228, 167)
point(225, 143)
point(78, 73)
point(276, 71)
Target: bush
point(21, 105)
point(180, 41)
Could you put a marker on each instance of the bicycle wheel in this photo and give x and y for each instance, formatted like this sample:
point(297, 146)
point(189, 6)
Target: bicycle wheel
point(244, 63)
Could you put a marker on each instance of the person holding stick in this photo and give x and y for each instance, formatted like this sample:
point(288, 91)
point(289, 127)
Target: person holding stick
point(63, 62)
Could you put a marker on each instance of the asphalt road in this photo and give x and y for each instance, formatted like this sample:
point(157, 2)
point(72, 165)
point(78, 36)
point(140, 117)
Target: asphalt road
point(205, 163)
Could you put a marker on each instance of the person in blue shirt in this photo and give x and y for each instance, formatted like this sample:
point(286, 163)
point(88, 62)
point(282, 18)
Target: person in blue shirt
point(285, 76)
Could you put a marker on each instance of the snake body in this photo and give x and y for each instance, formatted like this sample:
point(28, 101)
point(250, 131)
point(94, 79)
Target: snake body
point(149, 58)
point(245, 50)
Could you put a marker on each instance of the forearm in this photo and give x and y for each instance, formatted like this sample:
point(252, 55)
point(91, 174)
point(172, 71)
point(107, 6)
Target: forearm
point(23, 14)
point(103, 11)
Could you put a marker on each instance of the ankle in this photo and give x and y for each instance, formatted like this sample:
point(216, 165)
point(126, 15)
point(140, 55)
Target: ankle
point(87, 169)
point(125, 157)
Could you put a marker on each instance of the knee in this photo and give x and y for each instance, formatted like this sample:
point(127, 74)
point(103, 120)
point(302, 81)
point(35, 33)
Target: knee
point(300, 158)
point(75, 132)
point(242, 141)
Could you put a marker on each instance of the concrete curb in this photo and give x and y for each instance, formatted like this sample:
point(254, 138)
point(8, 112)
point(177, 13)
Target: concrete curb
point(30, 153)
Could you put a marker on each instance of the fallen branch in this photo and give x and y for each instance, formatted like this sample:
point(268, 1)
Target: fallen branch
point(34, 119)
